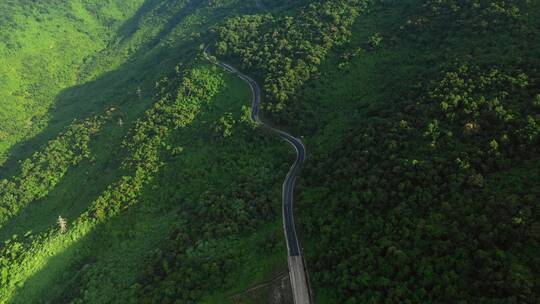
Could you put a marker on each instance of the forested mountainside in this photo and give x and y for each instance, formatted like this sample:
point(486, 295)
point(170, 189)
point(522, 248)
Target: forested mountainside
point(131, 172)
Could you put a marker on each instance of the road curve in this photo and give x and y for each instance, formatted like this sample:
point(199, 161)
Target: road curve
point(297, 269)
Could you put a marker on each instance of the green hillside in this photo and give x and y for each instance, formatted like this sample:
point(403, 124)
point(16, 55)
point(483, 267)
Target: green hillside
point(44, 47)
point(421, 120)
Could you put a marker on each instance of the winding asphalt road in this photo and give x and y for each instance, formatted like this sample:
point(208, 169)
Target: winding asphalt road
point(297, 269)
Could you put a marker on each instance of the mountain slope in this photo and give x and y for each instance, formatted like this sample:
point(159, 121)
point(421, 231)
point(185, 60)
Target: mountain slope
point(421, 120)
point(42, 50)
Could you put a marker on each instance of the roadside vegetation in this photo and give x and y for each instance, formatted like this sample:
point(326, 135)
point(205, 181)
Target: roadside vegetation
point(130, 170)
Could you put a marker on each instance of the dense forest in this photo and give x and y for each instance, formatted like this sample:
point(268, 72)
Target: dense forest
point(131, 172)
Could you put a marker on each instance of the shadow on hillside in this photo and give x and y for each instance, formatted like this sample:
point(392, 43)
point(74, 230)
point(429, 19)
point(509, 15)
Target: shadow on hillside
point(64, 275)
point(117, 88)
point(74, 193)
point(114, 89)
point(105, 263)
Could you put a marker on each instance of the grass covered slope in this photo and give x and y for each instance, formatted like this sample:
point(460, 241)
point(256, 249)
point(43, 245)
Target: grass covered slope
point(166, 162)
point(44, 46)
point(421, 120)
